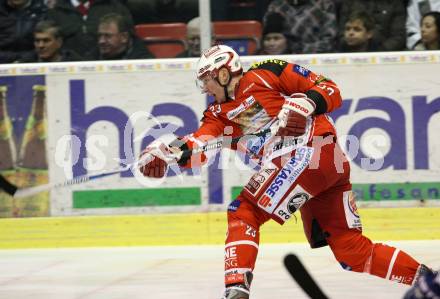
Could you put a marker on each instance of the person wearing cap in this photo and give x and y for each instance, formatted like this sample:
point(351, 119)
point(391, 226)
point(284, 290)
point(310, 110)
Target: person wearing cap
point(275, 39)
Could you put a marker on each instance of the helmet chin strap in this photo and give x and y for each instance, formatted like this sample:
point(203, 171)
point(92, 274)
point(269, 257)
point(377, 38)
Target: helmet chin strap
point(225, 87)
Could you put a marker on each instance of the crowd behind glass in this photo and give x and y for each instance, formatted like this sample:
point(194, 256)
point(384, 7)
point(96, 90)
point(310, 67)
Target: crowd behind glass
point(77, 30)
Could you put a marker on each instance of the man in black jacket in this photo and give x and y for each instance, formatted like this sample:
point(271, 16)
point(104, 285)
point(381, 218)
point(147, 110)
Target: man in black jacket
point(78, 20)
point(48, 44)
point(117, 40)
point(17, 22)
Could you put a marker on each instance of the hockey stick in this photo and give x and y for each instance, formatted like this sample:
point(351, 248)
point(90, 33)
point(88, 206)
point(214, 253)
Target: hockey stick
point(86, 178)
point(302, 277)
point(74, 181)
point(7, 186)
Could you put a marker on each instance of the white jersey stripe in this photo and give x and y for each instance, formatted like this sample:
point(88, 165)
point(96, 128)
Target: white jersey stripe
point(262, 80)
point(242, 242)
point(391, 265)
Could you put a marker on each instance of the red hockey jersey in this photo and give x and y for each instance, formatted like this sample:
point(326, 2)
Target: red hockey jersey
point(259, 97)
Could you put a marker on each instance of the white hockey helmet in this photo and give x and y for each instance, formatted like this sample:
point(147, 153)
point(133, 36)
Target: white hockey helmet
point(213, 59)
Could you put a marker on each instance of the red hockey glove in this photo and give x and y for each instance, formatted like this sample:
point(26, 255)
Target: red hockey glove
point(293, 115)
point(156, 158)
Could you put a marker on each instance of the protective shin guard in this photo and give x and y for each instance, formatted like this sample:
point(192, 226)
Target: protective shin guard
point(356, 252)
point(241, 251)
point(392, 264)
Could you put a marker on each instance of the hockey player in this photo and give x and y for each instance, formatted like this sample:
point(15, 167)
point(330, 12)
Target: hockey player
point(308, 173)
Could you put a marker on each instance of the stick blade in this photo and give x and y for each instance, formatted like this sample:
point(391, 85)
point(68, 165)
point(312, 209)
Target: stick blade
point(302, 277)
point(31, 191)
point(7, 186)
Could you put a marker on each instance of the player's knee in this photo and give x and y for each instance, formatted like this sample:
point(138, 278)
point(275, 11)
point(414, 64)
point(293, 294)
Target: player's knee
point(239, 210)
point(352, 262)
point(352, 252)
point(240, 230)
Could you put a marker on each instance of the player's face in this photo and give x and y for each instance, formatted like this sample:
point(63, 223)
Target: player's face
point(429, 30)
point(356, 34)
point(210, 86)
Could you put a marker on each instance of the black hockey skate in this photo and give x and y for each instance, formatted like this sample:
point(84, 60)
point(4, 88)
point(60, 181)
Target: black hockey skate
point(426, 284)
point(423, 270)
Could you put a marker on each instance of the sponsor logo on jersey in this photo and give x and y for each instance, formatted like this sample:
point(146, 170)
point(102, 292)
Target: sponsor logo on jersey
point(231, 257)
point(230, 252)
point(242, 107)
point(284, 146)
point(402, 279)
point(234, 278)
point(301, 70)
point(275, 61)
point(290, 171)
point(258, 180)
point(287, 175)
point(265, 201)
point(291, 206)
point(352, 205)
point(281, 178)
point(252, 186)
point(255, 145)
point(351, 212)
point(298, 196)
point(234, 205)
point(297, 106)
point(397, 278)
point(296, 201)
point(283, 215)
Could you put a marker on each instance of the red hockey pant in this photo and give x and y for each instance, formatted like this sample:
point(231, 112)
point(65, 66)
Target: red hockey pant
point(329, 218)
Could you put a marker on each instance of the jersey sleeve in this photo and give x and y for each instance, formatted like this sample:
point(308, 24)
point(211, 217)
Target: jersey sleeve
point(292, 78)
point(210, 128)
point(321, 90)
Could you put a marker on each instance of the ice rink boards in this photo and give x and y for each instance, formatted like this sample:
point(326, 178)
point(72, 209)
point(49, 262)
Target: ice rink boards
point(154, 267)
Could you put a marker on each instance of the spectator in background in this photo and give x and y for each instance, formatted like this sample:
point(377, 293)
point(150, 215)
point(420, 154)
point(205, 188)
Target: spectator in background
point(415, 10)
point(17, 22)
point(48, 44)
point(193, 38)
point(78, 20)
point(389, 17)
point(275, 39)
point(430, 29)
point(358, 34)
point(117, 40)
point(312, 23)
